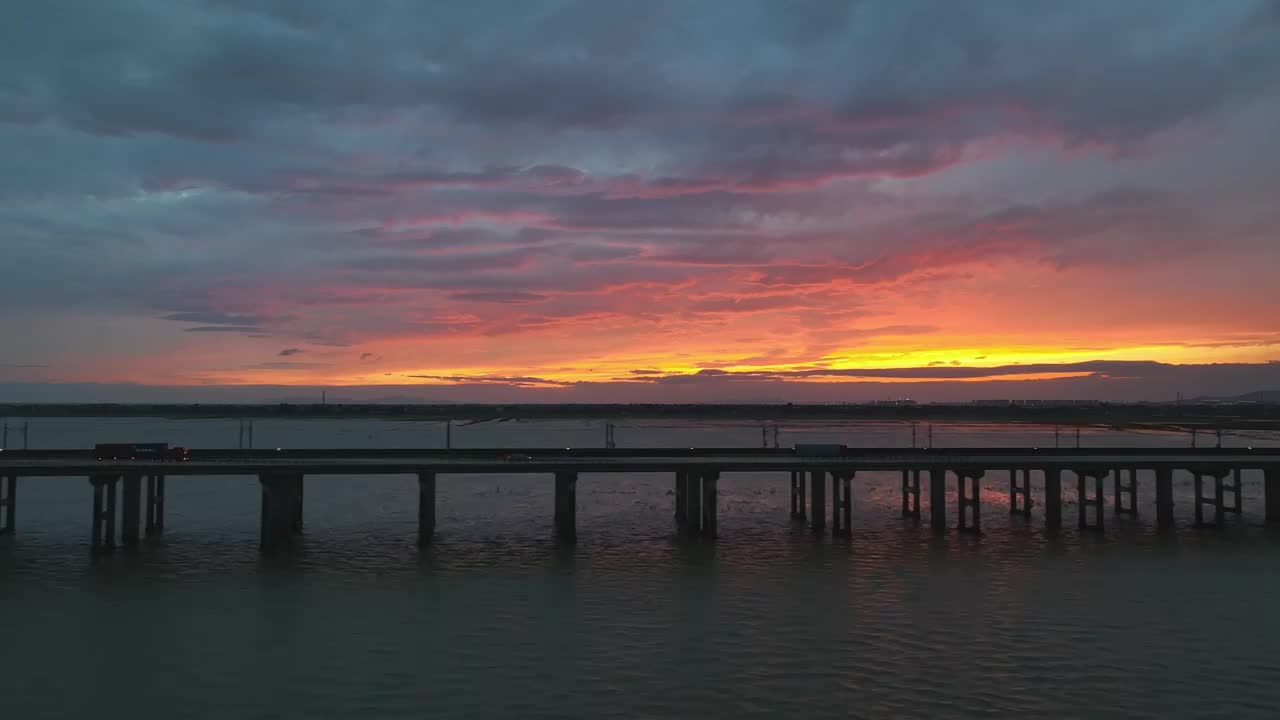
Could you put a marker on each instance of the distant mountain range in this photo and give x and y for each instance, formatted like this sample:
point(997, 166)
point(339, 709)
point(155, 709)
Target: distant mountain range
point(1268, 397)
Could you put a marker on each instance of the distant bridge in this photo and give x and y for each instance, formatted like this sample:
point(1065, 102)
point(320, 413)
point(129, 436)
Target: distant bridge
point(130, 495)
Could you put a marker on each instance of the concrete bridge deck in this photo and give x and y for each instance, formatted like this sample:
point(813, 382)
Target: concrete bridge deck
point(35, 463)
point(696, 471)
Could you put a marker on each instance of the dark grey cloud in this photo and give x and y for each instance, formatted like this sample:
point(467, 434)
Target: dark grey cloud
point(235, 166)
point(513, 297)
point(508, 381)
point(286, 365)
point(224, 329)
point(1100, 368)
point(287, 352)
point(214, 318)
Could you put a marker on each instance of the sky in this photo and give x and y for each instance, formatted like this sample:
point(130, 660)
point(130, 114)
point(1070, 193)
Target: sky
point(648, 200)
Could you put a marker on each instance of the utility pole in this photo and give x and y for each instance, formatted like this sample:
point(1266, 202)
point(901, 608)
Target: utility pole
point(775, 435)
point(26, 432)
point(930, 445)
point(448, 434)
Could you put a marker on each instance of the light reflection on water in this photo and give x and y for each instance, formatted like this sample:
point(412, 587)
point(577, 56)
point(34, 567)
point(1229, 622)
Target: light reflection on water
point(497, 620)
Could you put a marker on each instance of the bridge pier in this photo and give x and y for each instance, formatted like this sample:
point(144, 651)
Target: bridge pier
point(566, 511)
point(938, 499)
point(154, 505)
point(1234, 488)
point(1271, 493)
point(1084, 501)
point(9, 503)
point(1164, 499)
point(1130, 490)
point(682, 498)
point(426, 508)
point(130, 512)
point(693, 504)
point(1052, 498)
point(847, 505)
point(911, 493)
point(836, 504)
point(1217, 501)
point(281, 512)
point(818, 510)
point(1020, 490)
point(710, 496)
point(796, 504)
point(103, 528)
point(969, 498)
point(841, 503)
point(297, 504)
point(801, 492)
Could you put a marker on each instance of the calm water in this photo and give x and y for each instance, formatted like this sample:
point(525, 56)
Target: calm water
point(496, 621)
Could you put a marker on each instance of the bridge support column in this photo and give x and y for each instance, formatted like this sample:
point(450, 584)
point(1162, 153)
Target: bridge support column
point(426, 508)
point(1052, 498)
point(130, 512)
point(1020, 493)
point(1084, 501)
point(710, 495)
point(801, 493)
point(566, 512)
point(1164, 498)
point(9, 504)
point(841, 503)
point(847, 506)
point(281, 506)
point(1216, 502)
point(297, 504)
point(969, 500)
point(693, 503)
point(837, 501)
point(1234, 488)
point(1131, 491)
point(911, 494)
point(818, 510)
point(938, 499)
point(797, 495)
point(682, 498)
point(154, 505)
point(1198, 489)
point(1271, 491)
point(104, 513)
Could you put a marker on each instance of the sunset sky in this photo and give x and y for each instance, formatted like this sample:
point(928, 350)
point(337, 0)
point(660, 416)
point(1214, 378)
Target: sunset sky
point(808, 200)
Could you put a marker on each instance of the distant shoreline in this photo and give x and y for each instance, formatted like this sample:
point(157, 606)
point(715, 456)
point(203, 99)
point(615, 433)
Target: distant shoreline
point(1187, 415)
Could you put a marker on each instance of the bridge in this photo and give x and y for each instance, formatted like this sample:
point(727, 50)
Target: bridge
point(130, 495)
